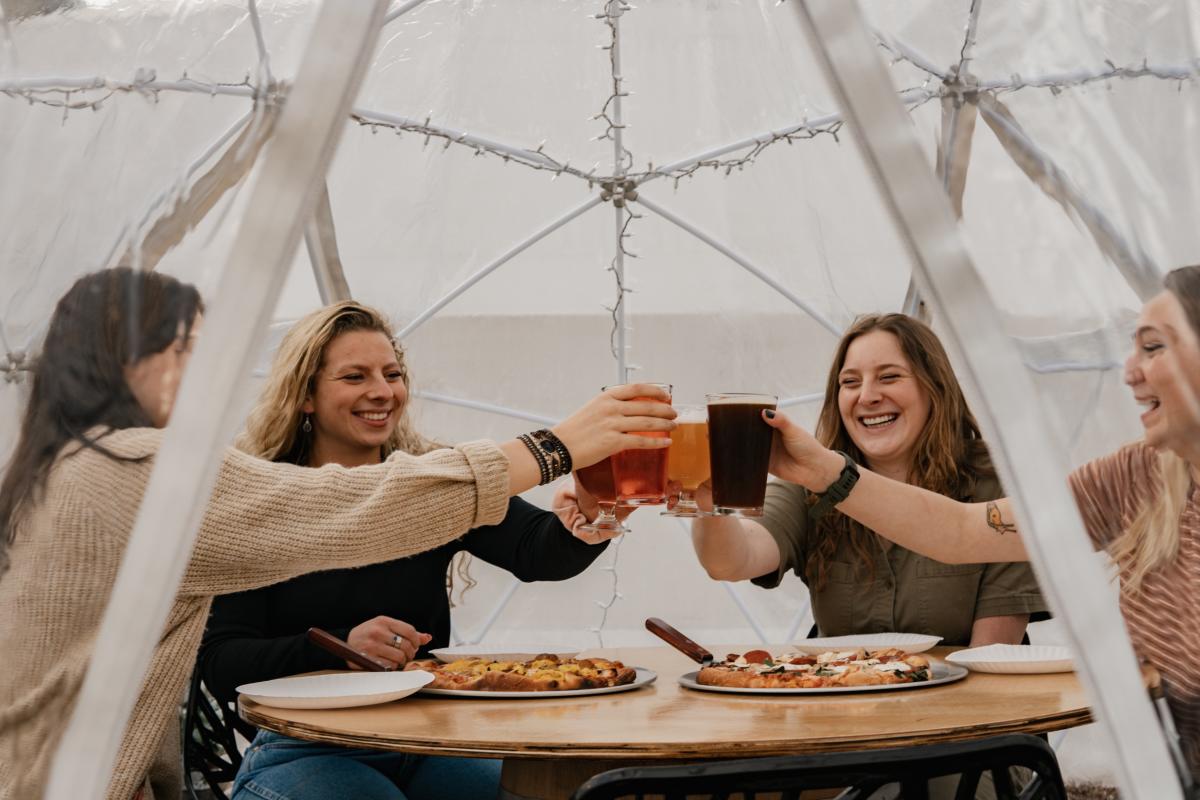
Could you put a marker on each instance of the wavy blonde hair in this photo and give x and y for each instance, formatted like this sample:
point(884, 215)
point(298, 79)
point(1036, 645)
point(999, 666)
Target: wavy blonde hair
point(273, 430)
point(1152, 540)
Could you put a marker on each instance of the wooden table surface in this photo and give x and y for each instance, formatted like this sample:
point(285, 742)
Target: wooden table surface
point(666, 722)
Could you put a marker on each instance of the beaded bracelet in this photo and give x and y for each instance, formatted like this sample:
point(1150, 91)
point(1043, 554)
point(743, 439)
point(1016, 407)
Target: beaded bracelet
point(552, 456)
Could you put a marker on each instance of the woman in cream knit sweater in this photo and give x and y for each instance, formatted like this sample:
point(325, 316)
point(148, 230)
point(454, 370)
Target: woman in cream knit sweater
point(104, 386)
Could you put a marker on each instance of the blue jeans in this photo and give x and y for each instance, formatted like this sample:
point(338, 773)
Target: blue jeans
point(280, 768)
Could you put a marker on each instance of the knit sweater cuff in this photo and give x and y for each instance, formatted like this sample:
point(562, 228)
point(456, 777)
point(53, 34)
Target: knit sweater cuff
point(490, 466)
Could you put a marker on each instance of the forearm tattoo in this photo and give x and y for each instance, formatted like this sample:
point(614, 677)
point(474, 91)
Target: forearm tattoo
point(996, 522)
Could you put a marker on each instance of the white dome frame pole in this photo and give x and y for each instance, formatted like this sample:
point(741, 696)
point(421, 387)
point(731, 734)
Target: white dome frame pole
point(205, 416)
point(983, 355)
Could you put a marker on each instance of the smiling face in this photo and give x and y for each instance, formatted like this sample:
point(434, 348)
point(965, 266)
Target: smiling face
point(1164, 373)
point(883, 406)
point(357, 398)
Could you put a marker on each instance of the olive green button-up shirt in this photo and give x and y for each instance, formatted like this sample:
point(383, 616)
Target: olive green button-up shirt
point(909, 592)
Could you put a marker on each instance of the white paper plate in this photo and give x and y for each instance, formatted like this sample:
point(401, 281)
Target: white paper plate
point(503, 652)
point(942, 674)
point(336, 690)
point(908, 642)
point(645, 677)
point(1014, 658)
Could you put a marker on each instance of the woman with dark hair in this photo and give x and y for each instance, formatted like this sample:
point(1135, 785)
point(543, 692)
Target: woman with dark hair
point(892, 402)
point(106, 380)
point(1140, 504)
point(338, 392)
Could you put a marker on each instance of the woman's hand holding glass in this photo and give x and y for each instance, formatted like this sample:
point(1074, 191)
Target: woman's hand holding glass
point(573, 501)
point(391, 642)
point(797, 457)
point(604, 426)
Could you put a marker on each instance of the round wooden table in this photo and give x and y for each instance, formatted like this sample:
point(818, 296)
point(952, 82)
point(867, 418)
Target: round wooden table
point(551, 746)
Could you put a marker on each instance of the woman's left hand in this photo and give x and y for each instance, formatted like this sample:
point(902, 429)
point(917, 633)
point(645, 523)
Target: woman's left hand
point(575, 508)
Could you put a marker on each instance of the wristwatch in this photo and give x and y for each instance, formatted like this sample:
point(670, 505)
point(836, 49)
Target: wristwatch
point(838, 491)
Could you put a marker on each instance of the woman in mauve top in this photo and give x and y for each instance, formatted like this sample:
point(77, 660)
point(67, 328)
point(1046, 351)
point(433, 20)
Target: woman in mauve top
point(1140, 504)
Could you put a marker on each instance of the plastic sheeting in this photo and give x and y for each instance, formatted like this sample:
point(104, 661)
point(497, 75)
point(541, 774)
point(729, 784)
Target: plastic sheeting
point(483, 122)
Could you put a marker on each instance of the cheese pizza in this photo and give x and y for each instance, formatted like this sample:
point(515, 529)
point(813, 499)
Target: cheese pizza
point(545, 673)
point(758, 669)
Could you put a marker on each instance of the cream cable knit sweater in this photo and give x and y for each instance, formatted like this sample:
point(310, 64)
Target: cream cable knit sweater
point(265, 523)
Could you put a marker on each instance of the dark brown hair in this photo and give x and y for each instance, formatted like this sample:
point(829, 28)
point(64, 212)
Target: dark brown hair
point(106, 321)
point(949, 456)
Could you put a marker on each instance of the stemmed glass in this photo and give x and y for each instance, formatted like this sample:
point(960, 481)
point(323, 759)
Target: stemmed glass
point(597, 480)
point(687, 462)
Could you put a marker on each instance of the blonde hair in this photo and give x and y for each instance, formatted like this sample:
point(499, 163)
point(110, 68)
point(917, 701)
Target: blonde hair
point(1152, 540)
point(274, 429)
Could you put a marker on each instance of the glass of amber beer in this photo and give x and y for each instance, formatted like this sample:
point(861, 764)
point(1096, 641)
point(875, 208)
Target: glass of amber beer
point(740, 448)
point(597, 480)
point(641, 475)
point(687, 459)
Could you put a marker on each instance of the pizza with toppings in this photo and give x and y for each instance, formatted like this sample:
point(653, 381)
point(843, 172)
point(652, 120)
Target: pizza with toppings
point(758, 669)
point(545, 673)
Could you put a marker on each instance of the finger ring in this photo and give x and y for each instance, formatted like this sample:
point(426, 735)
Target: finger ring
point(397, 640)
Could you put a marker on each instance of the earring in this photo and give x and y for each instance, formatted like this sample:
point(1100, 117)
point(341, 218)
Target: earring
point(307, 424)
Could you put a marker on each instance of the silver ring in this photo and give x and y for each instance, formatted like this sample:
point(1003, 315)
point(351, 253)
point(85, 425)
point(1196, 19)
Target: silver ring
point(397, 640)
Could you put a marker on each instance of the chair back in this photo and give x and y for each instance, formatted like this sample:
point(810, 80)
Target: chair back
point(210, 746)
point(859, 774)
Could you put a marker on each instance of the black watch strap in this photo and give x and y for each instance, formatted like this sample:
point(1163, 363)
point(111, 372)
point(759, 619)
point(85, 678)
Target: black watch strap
point(838, 491)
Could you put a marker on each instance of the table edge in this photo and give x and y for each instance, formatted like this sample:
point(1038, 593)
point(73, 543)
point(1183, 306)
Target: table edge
point(665, 750)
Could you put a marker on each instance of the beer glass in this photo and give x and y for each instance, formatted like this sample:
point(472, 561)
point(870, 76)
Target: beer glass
point(598, 481)
point(740, 448)
point(641, 475)
point(687, 459)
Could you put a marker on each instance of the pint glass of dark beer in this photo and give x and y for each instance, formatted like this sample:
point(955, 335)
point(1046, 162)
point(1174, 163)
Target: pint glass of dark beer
point(641, 475)
point(739, 444)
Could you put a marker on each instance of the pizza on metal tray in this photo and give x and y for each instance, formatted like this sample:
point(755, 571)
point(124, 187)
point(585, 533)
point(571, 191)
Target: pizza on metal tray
point(758, 669)
point(545, 673)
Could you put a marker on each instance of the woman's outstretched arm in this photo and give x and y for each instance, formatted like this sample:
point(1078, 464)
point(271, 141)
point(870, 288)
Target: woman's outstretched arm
point(923, 521)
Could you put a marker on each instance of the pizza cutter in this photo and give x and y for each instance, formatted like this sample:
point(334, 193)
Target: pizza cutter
point(332, 644)
point(680, 642)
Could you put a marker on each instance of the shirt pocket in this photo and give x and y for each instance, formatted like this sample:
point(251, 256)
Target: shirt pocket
point(834, 605)
point(947, 594)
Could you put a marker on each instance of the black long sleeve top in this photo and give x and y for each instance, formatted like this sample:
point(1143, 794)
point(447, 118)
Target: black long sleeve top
point(260, 634)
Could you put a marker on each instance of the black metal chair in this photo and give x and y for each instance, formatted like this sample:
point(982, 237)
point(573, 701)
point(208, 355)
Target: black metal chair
point(859, 774)
point(209, 743)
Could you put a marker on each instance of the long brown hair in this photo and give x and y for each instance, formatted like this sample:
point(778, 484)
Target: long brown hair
point(949, 456)
point(106, 321)
point(1152, 539)
point(274, 430)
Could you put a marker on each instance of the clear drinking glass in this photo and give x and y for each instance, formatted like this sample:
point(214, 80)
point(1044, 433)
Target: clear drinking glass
point(598, 481)
point(687, 459)
point(740, 449)
point(641, 475)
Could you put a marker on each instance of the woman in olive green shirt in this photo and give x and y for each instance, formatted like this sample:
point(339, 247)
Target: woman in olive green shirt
point(893, 404)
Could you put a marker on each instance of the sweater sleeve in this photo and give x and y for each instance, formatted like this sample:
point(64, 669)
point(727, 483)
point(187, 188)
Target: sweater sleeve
point(236, 648)
point(267, 522)
point(532, 544)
